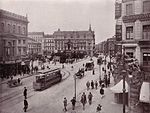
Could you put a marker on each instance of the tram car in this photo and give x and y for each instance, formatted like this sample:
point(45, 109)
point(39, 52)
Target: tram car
point(46, 78)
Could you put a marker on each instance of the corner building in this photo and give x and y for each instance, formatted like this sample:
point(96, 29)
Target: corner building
point(13, 40)
point(136, 30)
point(13, 36)
point(79, 41)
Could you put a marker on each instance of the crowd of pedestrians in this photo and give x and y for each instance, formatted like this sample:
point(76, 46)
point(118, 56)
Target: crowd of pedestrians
point(103, 82)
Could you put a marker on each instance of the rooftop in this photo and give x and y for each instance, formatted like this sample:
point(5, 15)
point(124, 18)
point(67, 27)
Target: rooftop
point(36, 33)
point(5, 13)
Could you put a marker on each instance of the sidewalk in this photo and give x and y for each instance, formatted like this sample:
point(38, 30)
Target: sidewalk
point(108, 105)
point(107, 102)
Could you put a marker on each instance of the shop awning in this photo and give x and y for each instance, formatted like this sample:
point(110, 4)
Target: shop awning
point(145, 92)
point(119, 86)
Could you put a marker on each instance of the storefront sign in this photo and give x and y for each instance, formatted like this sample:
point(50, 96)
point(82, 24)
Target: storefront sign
point(133, 18)
point(117, 10)
point(118, 32)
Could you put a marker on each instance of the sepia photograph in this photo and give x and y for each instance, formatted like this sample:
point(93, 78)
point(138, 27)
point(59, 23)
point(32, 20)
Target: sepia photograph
point(75, 56)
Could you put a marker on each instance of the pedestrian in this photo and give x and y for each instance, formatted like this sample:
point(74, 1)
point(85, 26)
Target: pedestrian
point(93, 72)
point(88, 85)
point(73, 101)
point(25, 92)
point(25, 105)
point(99, 108)
point(92, 84)
point(72, 67)
point(83, 100)
point(90, 96)
point(96, 84)
point(65, 104)
point(100, 82)
point(19, 80)
point(102, 92)
point(106, 81)
point(11, 77)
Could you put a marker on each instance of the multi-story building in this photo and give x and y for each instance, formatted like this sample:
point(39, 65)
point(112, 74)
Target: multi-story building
point(38, 37)
point(13, 41)
point(48, 44)
point(34, 47)
point(136, 30)
point(13, 36)
point(82, 41)
point(134, 33)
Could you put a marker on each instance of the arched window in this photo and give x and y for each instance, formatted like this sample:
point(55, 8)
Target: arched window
point(14, 28)
point(2, 26)
point(9, 28)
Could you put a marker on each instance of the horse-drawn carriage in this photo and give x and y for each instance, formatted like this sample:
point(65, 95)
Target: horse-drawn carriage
point(80, 73)
point(14, 83)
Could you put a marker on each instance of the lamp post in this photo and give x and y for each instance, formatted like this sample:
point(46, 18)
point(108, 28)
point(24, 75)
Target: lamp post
point(124, 76)
point(124, 90)
point(75, 86)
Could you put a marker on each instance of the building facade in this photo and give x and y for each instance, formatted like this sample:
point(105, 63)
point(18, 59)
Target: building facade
point(34, 47)
point(133, 33)
point(13, 36)
point(136, 30)
point(38, 37)
point(48, 44)
point(81, 41)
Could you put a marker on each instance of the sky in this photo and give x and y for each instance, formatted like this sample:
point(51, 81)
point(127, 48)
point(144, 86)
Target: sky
point(71, 15)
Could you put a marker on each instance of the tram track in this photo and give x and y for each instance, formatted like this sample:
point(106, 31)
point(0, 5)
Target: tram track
point(17, 96)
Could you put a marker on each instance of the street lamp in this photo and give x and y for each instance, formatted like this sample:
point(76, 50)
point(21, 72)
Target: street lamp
point(75, 86)
point(124, 90)
point(124, 76)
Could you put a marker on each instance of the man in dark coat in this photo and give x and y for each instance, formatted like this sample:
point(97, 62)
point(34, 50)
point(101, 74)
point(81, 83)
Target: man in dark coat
point(73, 101)
point(25, 92)
point(90, 96)
point(65, 104)
point(102, 92)
point(96, 84)
point(92, 84)
point(83, 100)
point(88, 85)
point(25, 105)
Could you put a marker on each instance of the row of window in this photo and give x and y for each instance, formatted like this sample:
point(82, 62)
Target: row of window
point(13, 28)
point(13, 42)
point(50, 41)
point(49, 44)
point(130, 34)
point(146, 8)
point(49, 48)
point(78, 36)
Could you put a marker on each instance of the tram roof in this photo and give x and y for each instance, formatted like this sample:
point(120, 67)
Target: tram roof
point(49, 70)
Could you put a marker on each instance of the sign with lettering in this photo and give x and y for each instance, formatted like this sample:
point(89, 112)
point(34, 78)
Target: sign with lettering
point(118, 32)
point(117, 10)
